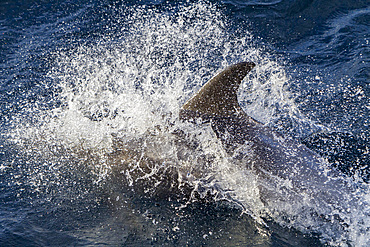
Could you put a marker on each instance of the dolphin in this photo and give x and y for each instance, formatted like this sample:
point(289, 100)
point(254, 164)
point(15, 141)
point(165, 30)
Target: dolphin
point(293, 182)
point(286, 169)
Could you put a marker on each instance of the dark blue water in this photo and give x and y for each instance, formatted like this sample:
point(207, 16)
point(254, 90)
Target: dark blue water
point(74, 74)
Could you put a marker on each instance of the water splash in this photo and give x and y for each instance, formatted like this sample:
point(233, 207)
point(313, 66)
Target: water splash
point(126, 84)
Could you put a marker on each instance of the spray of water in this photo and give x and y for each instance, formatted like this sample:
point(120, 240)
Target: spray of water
point(130, 86)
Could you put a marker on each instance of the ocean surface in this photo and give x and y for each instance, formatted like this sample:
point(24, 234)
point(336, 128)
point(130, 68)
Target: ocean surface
point(78, 77)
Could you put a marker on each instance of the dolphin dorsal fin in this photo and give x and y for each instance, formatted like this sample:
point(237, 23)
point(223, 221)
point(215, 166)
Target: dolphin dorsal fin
point(218, 97)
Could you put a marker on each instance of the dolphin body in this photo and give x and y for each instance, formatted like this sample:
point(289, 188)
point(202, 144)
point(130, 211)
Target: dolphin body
point(286, 169)
point(295, 185)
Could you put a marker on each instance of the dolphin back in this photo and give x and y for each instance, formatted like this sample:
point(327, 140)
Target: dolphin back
point(218, 97)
